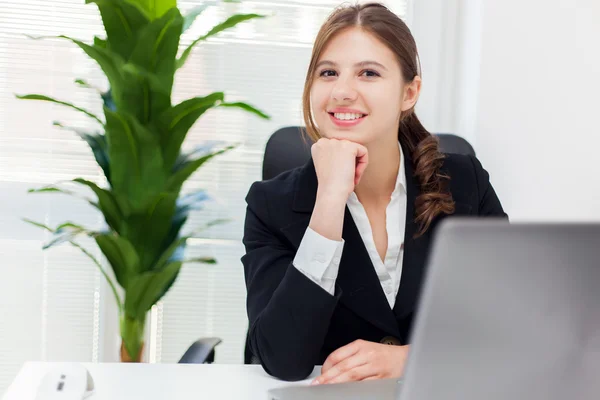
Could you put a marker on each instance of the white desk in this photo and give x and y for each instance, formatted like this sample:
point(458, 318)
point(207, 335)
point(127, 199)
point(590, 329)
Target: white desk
point(160, 381)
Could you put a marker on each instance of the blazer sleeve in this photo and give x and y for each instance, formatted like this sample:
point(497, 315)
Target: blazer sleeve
point(489, 203)
point(288, 313)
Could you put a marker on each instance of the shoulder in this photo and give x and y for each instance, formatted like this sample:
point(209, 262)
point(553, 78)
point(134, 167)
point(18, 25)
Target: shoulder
point(467, 176)
point(279, 191)
point(464, 169)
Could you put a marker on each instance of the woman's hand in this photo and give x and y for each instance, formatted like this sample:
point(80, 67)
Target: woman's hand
point(339, 165)
point(362, 360)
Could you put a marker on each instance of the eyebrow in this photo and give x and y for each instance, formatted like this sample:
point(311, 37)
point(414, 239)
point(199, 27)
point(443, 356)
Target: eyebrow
point(359, 64)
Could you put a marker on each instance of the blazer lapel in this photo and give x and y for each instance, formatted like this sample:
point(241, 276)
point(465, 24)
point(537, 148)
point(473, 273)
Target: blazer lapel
point(357, 279)
point(415, 249)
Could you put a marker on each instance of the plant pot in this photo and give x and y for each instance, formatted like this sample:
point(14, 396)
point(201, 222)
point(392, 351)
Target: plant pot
point(132, 339)
point(125, 355)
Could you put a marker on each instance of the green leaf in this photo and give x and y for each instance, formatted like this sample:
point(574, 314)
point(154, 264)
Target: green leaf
point(177, 121)
point(69, 225)
point(56, 189)
point(137, 174)
point(201, 260)
point(158, 42)
point(145, 94)
point(38, 224)
point(146, 289)
point(53, 189)
point(191, 16)
point(148, 230)
point(172, 253)
point(246, 107)
point(156, 8)
point(50, 99)
point(97, 143)
point(106, 276)
point(155, 53)
point(108, 100)
point(85, 84)
point(87, 253)
point(99, 42)
point(109, 61)
point(185, 204)
point(107, 204)
point(121, 255)
point(187, 169)
point(122, 22)
point(229, 23)
point(212, 223)
point(200, 150)
point(66, 233)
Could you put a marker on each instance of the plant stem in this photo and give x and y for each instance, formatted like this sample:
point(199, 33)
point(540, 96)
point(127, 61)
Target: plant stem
point(132, 334)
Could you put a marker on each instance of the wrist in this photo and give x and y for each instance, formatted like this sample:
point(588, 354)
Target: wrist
point(332, 197)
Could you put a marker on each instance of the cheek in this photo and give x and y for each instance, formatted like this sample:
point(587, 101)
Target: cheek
point(319, 97)
point(389, 103)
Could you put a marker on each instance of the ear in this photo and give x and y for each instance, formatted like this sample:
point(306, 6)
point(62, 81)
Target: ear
point(411, 93)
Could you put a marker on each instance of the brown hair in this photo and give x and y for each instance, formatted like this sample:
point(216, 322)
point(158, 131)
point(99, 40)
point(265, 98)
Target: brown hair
point(427, 160)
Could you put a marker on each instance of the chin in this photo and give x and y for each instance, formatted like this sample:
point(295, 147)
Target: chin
point(355, 136)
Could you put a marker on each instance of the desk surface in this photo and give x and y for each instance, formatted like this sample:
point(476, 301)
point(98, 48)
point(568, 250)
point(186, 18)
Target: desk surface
point(117, 381)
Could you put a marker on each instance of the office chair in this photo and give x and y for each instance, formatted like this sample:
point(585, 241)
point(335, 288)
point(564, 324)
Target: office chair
point(288, 148)
point(202, 351)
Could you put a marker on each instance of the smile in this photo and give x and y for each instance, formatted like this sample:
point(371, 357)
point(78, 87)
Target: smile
point(347, 119)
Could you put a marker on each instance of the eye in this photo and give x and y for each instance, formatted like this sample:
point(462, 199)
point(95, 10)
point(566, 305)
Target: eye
point(327, 73)
point(369, 73)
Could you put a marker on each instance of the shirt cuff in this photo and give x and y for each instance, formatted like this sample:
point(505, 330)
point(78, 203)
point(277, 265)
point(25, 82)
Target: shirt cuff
point(319, 259)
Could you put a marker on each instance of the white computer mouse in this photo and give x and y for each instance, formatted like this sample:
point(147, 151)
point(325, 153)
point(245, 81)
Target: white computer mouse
point(66, 381)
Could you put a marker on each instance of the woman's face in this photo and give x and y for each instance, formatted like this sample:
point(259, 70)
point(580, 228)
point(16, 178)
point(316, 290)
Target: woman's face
point(358, 92)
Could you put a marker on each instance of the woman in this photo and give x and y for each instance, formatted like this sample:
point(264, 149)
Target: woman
point(335, 250)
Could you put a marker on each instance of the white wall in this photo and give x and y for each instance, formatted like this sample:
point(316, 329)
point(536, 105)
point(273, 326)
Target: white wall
point(519, 79)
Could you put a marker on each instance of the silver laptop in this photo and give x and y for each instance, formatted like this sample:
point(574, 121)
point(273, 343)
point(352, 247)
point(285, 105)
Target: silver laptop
point(508, 311)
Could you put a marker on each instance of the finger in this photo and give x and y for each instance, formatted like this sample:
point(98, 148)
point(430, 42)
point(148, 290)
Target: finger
point(340, 354)
point(360, 373)
point(362, 160)
point(360, 170)
point(342, 367)
point(362, 154)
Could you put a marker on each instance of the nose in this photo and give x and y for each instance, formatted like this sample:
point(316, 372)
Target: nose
point(343, 91)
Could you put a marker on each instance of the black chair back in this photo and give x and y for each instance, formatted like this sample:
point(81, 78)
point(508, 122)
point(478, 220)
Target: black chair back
point(289, 148)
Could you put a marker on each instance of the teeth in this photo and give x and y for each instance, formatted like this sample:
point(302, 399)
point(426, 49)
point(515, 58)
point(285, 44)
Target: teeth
point(347, 116)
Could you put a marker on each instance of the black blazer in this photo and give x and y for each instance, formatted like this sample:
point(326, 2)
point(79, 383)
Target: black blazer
point(294, 323)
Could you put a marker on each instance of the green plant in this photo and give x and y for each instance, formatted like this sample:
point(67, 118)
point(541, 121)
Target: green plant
point(138, 147)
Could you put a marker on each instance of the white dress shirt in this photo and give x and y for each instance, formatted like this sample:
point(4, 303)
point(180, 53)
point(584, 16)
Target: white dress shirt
point(319, 258)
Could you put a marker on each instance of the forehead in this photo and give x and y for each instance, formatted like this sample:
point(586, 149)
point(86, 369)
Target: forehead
point(354, 45)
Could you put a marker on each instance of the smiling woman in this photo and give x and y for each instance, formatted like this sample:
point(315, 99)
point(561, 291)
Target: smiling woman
point(336, 249)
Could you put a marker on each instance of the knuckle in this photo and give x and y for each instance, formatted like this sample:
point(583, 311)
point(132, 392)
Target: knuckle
point(344, 366)
point(371, 354)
